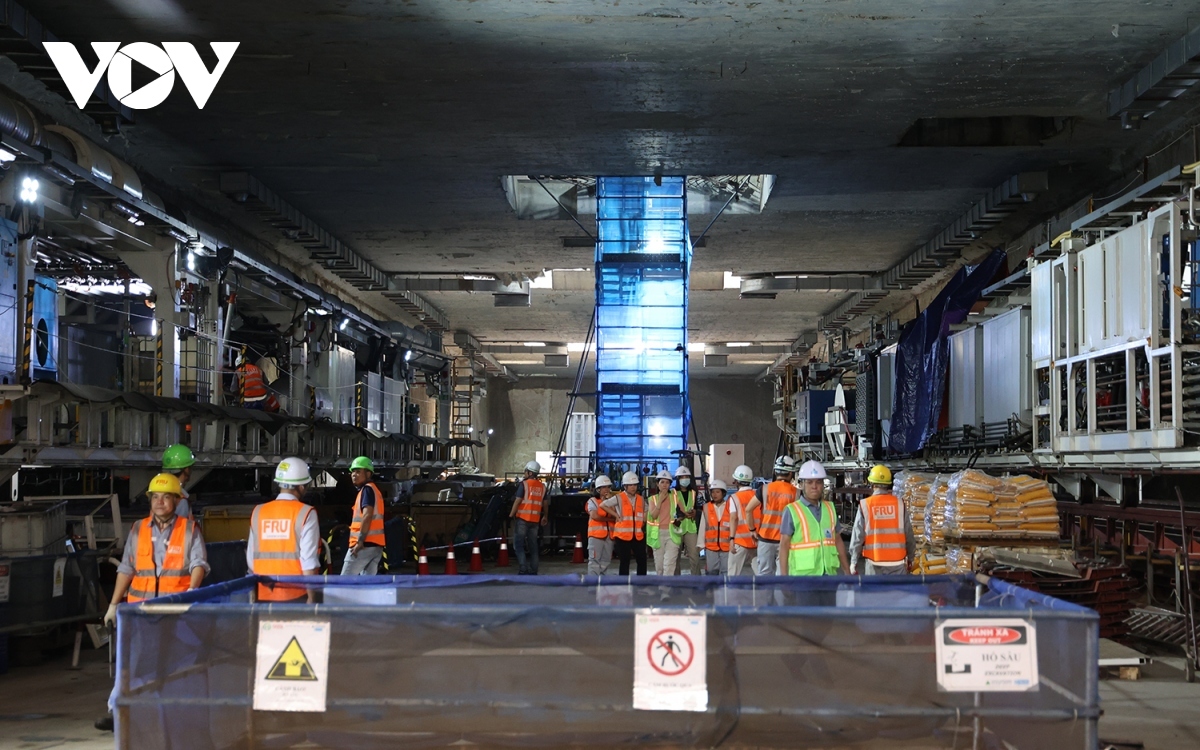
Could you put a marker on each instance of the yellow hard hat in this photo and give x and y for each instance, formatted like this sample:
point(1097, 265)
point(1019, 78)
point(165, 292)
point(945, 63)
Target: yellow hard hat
point(166, 483)
point(880, 474)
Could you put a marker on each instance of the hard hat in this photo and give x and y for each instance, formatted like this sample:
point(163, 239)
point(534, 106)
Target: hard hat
point(683, 471)
point(812, 470)
point(292, 472)
point(603, 481)
point(717, 484)
point(785, 465)
point(629, 478)
point(362, 462)
point(743, 474)
point(166, 483)
point(664, 474)
point(177, 457)
point(880, 474)
point(533, 466)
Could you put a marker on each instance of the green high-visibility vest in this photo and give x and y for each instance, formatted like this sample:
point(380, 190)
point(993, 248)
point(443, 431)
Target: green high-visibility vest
point(686, 525)
point(814, 548)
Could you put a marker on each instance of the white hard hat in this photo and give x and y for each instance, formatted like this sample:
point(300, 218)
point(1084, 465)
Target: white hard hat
point(812, 470)
point(533, 466)
point(603, 481)
point(664, 474)
point(629, 478)
point(717, 484)
point(784, 465)
point(683, 471)
point(292, 472)
point(743, 474)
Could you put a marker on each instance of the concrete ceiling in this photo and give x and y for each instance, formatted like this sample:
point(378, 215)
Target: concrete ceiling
point(391, 123)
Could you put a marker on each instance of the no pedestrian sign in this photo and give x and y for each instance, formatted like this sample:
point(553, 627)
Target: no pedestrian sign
point(291, 666)
point(982, 656)
point(670, 662)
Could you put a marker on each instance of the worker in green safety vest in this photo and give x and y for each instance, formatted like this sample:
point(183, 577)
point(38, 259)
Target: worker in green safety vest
point(809, 541)
point(684, 528)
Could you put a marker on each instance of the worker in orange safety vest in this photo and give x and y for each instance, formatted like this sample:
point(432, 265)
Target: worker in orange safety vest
point(718, 524)
point(600, 528)
point(882, 538)
point(285, 536)
point(367, 538)
point(529, 509)
point(629, 535)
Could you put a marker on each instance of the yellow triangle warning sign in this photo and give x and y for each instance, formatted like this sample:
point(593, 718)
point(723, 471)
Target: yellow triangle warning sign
point(292, 664)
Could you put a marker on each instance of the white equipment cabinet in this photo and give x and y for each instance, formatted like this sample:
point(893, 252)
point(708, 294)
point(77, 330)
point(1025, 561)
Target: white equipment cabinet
point(966, 386)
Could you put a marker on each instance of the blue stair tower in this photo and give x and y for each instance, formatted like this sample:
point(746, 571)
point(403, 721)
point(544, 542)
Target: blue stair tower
point(643, 257)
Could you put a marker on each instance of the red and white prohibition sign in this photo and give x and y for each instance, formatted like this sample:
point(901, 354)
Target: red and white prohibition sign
point(670, 652)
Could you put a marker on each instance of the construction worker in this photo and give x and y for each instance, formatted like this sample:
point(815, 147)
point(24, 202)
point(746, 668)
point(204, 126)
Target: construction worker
point(529, 508)
point(658, 521)
point(629, 539)
point(717, 526)
point(809, 541)
point(252, 387)
point(743, 538)
point(367, 539)
point(766, 513)
point(178, 460)
point(600, 527)
point(743, 545)
point(164, 555)
point(883, 534)
point(285, 536)
point(683, 536)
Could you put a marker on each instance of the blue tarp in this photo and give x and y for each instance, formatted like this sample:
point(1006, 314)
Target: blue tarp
point(923, 354)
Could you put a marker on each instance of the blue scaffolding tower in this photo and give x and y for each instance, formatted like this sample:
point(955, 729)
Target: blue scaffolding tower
point(643, 256)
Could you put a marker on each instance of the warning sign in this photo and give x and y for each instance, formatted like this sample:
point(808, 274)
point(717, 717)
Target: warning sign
point(292, 666)
point(981, 656)
point(670, 662)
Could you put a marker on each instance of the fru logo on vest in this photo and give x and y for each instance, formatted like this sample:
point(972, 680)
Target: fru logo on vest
point(164, 60)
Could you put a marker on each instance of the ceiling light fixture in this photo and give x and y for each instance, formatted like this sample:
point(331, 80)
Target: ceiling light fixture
point(533, 343)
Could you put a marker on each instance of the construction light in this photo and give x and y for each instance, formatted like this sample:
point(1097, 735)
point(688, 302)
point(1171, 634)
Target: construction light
point(29, 190)
point(191, 261)
point(342, 327)
point(6, 156)
point(490, 430)
point(408, 355)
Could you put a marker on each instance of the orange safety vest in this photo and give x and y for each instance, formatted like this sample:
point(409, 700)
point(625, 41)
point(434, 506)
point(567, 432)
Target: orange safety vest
point(375, 533)
point(530, 508)
point(174, 577)
point(885, 541)
point(276, 526)
point(769, 514)
point(742, 535)
point(602, 528)
point(632, 519)
point(716, 530)
point(253, 385)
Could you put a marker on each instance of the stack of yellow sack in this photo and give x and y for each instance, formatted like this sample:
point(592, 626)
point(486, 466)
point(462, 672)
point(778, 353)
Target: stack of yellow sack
point(935, 512)
point(912, 487)
point(929, 562)
point(1036, 507)
point(959, 559)
point(1012, 507)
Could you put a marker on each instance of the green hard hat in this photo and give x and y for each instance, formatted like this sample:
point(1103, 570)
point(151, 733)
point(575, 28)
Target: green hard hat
point(362, 462)
point(177, 457)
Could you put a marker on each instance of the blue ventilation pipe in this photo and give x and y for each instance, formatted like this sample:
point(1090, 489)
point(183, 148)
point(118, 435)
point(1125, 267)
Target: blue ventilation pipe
point(643, 257)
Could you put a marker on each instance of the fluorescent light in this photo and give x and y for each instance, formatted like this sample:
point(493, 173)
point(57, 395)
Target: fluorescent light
point(577, 346)
point(533, 343)
point(737, 344)
point(731, 281)
point(543, 281)
point(655, 245)
point(154, 326)
point(696, 346)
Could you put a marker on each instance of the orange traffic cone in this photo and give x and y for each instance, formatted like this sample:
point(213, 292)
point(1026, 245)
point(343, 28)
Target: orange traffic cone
point(579, 558)
point(476, 565)
point(422, 562)
point(502, 558)
point(451, 563)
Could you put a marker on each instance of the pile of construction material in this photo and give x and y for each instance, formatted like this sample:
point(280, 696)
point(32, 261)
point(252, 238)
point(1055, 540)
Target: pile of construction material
point(1108, 589)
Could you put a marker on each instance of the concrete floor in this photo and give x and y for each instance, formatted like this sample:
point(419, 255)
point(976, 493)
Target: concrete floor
point(52, 706)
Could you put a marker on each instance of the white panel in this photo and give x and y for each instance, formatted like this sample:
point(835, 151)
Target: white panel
point(724, 458)
point(1007, 369)
point(374, 401)
point(886, 382)
point(1091, 298)
point(966, 393)
point(1135, 281)
point(1042, 313)
point(581, 441)
point(393, 406)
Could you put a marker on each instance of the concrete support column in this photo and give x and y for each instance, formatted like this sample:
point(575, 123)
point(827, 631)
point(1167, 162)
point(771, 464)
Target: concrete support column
point(157, 268)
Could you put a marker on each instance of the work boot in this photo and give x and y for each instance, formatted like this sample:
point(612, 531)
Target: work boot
point(105, 723)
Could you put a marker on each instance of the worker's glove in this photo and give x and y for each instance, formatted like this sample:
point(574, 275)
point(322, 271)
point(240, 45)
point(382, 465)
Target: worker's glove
point(110, 617)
